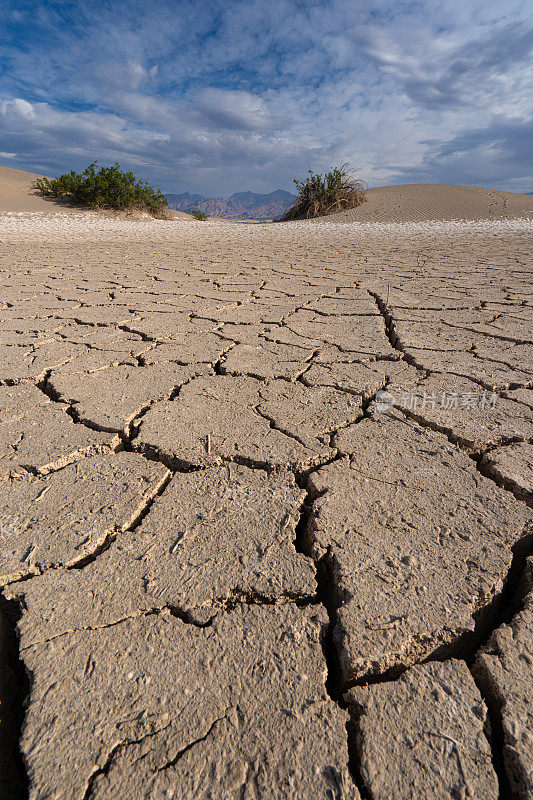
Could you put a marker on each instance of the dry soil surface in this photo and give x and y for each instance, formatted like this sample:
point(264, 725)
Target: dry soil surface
point(266, 509)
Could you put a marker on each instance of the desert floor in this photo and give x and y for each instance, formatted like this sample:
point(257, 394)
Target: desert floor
point(265, 509)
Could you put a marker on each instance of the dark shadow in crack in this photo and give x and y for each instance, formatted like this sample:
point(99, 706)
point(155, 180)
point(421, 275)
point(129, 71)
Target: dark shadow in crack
point(15, 687)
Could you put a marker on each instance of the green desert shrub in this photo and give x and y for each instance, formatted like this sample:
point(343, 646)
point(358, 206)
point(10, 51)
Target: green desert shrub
point(107, 187)
point(199, 215)
point(319, 195)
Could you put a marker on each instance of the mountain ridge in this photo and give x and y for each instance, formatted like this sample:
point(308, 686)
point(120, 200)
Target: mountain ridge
point(240, 205)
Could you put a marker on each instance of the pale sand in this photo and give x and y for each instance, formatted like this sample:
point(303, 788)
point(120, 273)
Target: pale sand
point(170, 599)
point(17, 194)
point(421, 202)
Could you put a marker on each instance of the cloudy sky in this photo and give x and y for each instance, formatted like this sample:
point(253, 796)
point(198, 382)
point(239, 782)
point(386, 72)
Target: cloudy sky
point(220, 96)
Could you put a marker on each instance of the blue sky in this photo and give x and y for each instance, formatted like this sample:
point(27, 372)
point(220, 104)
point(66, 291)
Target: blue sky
point(217, 97)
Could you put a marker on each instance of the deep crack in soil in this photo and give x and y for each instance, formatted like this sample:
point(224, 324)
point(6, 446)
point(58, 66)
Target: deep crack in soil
point(15, 688)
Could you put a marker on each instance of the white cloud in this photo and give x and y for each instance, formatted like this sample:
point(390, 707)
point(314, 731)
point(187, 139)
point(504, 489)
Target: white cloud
point(17, 109)
point(126, 77)
point(236, 110)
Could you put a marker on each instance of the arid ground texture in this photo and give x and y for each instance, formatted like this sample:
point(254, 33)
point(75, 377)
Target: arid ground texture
point(266, 503)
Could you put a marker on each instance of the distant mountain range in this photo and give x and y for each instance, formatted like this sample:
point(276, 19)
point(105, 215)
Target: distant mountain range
point(241, 205)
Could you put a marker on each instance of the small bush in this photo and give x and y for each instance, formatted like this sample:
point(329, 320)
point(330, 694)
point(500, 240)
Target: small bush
point(319, 195)
point(107, 187)
point(199, 215)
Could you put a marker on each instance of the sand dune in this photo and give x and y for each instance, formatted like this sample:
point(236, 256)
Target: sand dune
point(422, 202)
point(18, 195)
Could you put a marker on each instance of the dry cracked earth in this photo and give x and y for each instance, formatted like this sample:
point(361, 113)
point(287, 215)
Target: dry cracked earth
point(231, 566)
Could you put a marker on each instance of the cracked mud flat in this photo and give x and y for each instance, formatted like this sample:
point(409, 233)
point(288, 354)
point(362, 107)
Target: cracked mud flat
point(228, 570)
